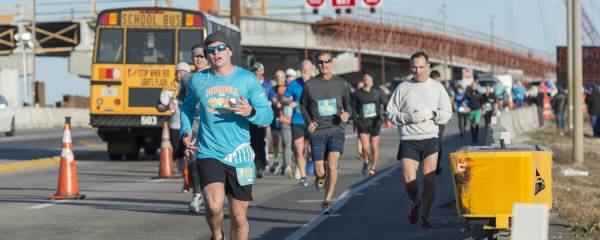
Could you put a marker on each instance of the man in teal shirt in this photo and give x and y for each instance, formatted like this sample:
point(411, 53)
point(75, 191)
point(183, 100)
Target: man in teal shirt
point(229, 98)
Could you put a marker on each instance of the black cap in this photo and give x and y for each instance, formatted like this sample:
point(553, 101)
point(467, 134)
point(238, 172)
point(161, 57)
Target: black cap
point(217, 36)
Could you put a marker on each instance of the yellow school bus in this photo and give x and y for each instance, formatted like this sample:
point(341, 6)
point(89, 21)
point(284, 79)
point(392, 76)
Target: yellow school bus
point(135, 53)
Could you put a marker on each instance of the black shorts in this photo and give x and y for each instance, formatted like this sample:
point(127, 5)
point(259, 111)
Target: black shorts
point(299, 131)
point(176, 143)
point(371, 126)
point(212, 170)
point(418, 149)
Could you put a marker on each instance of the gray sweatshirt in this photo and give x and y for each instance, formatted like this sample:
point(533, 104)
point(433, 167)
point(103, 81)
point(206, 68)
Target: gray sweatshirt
point(323, 102)
point(411, 96)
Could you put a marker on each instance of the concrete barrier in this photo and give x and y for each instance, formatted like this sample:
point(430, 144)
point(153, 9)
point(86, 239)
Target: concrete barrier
point(43, 117)
point(512, 124)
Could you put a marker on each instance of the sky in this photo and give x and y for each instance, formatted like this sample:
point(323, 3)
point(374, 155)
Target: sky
point(538, 24)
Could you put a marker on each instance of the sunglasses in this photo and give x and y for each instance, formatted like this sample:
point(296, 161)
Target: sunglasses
point(199, 56)
point(213, 49)
point(323, 61)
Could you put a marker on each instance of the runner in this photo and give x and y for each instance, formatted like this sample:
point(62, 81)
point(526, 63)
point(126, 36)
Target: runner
point(200, 63)
point(418, 106)
point(369, 116)
point(325, 106)
point(229, 98)
point(293, 95)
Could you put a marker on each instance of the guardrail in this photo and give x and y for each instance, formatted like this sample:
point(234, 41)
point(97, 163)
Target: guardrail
point(43, 117)
point(512, 124)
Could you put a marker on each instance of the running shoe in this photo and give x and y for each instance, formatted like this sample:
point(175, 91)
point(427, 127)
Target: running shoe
point(326, 207)
point(413, 216)
point(304, 181)
point(320, 184)
point(425, 224)
point(195, 203)
point(365, 169)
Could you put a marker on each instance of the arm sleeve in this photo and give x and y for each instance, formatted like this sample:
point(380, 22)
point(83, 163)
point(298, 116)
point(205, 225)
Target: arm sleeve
point(346, 100)
point(288, 90)
point(188, 111)
point(444, 111)
point(304, 103)
point(258, 100)
point(354, 104)
point(393, 109)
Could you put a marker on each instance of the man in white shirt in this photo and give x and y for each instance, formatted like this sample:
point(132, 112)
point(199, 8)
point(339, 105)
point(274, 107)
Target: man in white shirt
point(417, 107)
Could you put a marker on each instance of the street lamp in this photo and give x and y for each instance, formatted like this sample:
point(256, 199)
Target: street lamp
point(23, 41)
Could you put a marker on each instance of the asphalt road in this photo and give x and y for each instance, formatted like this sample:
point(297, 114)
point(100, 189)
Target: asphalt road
point(123, 202)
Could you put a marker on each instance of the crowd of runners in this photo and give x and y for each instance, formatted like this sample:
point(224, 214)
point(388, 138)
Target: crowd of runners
point(231, 125)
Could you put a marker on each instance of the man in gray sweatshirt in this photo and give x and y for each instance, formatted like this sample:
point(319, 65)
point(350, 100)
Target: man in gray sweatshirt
point(325, 106)
point(417, 107)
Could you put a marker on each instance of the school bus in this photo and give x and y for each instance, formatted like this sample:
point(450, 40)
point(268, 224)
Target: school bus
point(135, 54)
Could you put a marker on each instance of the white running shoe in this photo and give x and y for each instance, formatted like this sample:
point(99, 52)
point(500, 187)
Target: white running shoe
point(195, 203)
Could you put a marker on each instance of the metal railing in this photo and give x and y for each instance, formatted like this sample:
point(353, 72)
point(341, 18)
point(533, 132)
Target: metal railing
point(432, 26)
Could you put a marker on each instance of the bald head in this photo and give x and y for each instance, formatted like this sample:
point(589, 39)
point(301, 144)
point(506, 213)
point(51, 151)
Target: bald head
point(306, 69)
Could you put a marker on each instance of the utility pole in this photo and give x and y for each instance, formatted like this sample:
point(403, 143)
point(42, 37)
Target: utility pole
point(577, 85)
point(305, 33)
point(492, 43)
point(34, 94)
point(570, 75)
point(446, 47)
point(235, 13)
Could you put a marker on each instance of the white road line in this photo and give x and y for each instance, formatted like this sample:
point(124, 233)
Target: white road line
point(342, 200)
point(45, 205)
point(159, 180)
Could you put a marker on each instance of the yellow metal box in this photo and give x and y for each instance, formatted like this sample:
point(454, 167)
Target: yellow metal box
point(488, 181)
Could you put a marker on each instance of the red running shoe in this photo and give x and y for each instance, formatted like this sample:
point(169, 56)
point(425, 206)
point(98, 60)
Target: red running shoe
point(425, 225)
point(413, 214)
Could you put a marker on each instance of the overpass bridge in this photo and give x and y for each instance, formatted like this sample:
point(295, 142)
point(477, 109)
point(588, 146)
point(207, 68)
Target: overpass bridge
point(379, 44)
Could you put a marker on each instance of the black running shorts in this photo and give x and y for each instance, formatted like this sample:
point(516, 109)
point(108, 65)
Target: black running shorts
point(371, 126)
point(212, 170)
point(299, 131)
point(418, 149)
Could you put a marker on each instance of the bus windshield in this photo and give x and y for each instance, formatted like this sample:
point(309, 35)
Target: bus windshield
point(110, 46)
point(150, 46)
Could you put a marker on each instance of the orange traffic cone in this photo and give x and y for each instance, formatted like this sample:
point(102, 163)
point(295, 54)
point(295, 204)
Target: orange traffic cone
point(187, 181)
point(67, 175)
point(165, 170)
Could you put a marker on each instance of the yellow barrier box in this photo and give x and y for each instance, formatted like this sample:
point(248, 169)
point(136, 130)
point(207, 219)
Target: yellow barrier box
point(488, 181)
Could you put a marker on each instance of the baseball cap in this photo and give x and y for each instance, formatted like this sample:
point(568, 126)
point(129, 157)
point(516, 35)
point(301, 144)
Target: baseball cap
point(258, 65)
point(182, 66)
point(217, 36)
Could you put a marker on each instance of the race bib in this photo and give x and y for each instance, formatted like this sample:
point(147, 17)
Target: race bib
point(369, 110)
point(245, 175)
point(327, 107)
point(288, 111)
point(488, 106)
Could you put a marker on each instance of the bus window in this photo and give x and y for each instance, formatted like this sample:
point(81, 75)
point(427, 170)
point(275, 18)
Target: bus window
point(187, 39)
point(110, 47)
point(150, 47)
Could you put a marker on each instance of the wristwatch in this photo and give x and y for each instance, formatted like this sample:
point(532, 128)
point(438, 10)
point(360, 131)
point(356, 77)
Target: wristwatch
point(252, 112)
